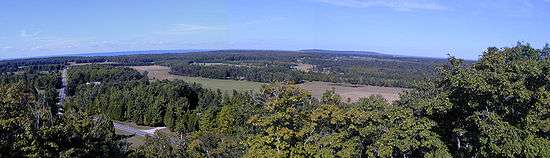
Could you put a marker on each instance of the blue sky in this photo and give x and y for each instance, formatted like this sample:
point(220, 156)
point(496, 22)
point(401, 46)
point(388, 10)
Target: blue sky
point(406, 27)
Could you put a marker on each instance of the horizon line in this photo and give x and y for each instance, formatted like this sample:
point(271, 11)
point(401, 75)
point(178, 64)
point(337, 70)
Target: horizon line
point(98, 53)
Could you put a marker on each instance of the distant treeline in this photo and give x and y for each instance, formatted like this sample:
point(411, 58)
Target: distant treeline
point(266, 74)
point(99, 73)
point(277, 67)
point(266, 66)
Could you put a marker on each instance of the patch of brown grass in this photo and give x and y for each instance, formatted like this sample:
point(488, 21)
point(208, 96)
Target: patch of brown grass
point(351, 91)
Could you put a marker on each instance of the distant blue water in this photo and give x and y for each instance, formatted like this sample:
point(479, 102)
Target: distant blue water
point(121, 53)
point(137, 52)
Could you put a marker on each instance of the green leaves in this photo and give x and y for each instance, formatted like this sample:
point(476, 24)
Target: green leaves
point(371, 127)
point(496, 107)
point(281, 124)
point(28, 128)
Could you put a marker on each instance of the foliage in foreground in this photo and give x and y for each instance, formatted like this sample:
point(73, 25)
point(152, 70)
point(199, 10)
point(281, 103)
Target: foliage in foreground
point(30, 128)
point(497, 107)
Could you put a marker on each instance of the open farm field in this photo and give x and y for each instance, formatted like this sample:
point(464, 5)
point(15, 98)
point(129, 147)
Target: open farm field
point(354, 92)
point(156, 72)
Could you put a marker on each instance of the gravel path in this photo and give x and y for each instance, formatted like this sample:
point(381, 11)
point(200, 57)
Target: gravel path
point(62, 92)
point(137, 132)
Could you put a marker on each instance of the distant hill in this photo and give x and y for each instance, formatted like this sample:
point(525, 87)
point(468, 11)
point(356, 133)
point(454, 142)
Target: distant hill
point(345, 52)
point(145, 52)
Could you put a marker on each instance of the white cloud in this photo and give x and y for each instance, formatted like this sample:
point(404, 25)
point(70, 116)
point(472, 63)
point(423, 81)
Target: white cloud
point(179, 29)
point(507, 8)
point(6, 47)
point(264, 21)
point(401, 5)
point(29, 34)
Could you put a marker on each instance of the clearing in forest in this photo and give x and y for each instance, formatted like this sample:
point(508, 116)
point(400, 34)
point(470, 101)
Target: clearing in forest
point(303, 67)
point(353, 92)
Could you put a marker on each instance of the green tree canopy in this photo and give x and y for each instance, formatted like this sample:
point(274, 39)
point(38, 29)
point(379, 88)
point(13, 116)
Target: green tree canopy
point(497, 107)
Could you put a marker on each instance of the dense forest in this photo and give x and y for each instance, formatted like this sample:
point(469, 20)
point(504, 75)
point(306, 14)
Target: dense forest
point(30, 125)
point(266, 66)
point(498, 106)
point(272, 67)
point(100, 73)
